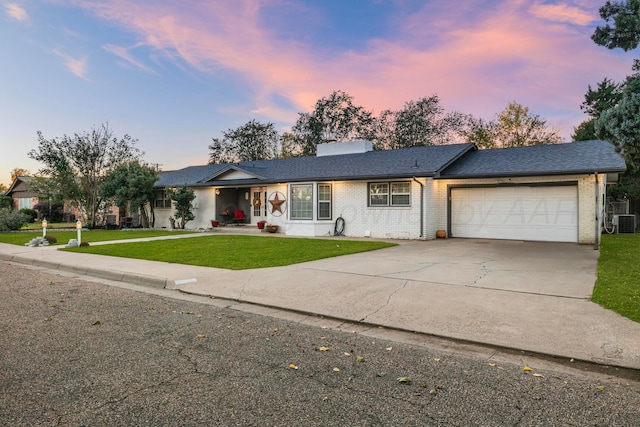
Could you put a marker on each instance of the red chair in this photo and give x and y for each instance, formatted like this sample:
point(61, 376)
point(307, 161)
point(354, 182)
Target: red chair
point(238, 216)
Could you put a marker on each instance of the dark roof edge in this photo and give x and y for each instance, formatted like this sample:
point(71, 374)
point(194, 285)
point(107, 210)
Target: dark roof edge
point(229, 167)
point(15, 182)
point(252, 183)
point(530, 174)
point(471, 147)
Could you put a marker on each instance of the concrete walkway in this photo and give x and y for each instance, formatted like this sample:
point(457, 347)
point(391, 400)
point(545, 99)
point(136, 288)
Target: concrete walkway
point(519, 295)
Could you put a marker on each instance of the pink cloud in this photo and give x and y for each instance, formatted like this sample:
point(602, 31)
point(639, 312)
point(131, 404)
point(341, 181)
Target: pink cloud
point(563, 13)
point(16, 12)
point(476, 59)
point(77, 66)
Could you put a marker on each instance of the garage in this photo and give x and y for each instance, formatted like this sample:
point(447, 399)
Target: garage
point(518, 212)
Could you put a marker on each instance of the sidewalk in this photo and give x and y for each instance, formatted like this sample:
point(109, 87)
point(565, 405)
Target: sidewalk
point(518, 295)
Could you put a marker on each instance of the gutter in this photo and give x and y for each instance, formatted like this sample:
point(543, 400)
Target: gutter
point(596, 242)
point(421, 206)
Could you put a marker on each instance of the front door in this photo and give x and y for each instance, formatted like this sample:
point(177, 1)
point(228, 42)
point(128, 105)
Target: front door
point(258, 205)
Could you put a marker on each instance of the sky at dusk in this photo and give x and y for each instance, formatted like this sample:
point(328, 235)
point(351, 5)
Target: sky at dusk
point(175, 73)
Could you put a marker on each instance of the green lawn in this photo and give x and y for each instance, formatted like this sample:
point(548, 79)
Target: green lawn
point(618, 283)
point(236, 252)
point(20, 238)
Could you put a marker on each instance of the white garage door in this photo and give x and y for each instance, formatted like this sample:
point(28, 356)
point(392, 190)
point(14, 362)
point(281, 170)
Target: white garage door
point(516, 213)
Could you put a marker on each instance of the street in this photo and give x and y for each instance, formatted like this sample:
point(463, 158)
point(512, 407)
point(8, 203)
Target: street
point(80, 353)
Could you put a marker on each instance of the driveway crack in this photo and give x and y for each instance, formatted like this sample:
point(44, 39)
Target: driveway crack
point(395, 291)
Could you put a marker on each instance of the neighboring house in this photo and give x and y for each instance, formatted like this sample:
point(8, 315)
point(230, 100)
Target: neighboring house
point(19, 192)
point(545, 192)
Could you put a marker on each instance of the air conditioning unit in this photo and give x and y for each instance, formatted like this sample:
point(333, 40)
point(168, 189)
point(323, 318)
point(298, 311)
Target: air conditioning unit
point(625, 223)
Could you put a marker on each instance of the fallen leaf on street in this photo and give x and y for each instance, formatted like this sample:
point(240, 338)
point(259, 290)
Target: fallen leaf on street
point(292, 366)
point(200, 336)
point(324, 348)
point(336, 369)
point(359, 359)
point(404, 380)
point(538, 375)
point(527, 368)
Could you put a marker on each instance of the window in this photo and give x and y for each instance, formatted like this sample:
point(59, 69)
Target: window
point(390, 193)
point(324, 201)
point(400, 193)
point(379, 194)
point(25, 203)
point(301, 201)
point(162, 200)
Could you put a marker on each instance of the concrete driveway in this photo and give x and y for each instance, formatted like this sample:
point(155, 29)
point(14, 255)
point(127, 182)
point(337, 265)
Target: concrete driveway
point(523, 295)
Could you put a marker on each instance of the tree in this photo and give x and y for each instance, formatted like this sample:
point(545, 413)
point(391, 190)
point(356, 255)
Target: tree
point(515, 126)
point(131, 185)
point(251, 141)
point(620, 125)
point(585, 131)
point(18, 172)
point(334, 118)
point(624, 32)
point(481, 132)
point(419, 123)
point(288, 146)
point(597, 101)
point(3, 188)
point(183, 198)
point(76, 165)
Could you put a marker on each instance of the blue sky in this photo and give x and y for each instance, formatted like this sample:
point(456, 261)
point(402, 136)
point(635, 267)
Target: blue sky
point(174, 74)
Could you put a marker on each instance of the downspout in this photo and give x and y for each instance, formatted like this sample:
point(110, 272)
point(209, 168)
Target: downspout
point(596, 243)
point(421, 206)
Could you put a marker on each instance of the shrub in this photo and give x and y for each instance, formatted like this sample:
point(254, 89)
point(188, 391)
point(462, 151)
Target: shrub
point(29, 213)
point(11, 220)
point(5, 202)
point(53, 212)
point(51, 239)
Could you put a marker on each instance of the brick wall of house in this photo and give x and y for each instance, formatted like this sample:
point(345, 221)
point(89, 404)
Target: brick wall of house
point(351, 202)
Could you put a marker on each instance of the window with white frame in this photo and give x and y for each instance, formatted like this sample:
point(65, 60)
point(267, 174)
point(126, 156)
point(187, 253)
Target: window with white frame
point(390, 193)
point(301, 198)
point(25, 203)
point(324, 201)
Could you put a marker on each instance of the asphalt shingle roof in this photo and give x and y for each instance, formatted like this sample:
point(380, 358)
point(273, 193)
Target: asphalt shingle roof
point(443, 161)
point(408, 162)
point(571, 158)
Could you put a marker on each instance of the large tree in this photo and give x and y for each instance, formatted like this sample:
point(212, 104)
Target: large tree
point(251, 141)
point(620, 124)
point(418, 123)
point(334, 118)
point(515, 126)
point(131, 185)
point(618, 117)
point(622, 25)
point(77, 165)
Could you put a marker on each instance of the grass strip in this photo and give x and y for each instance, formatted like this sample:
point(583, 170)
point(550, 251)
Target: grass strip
point(236, 252)
point(618, 284)
point(20, 238)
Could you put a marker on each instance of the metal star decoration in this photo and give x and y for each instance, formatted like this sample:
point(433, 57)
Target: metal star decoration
point(276, 204)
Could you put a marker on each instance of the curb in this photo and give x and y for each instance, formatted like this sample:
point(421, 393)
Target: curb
point(118, 276)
